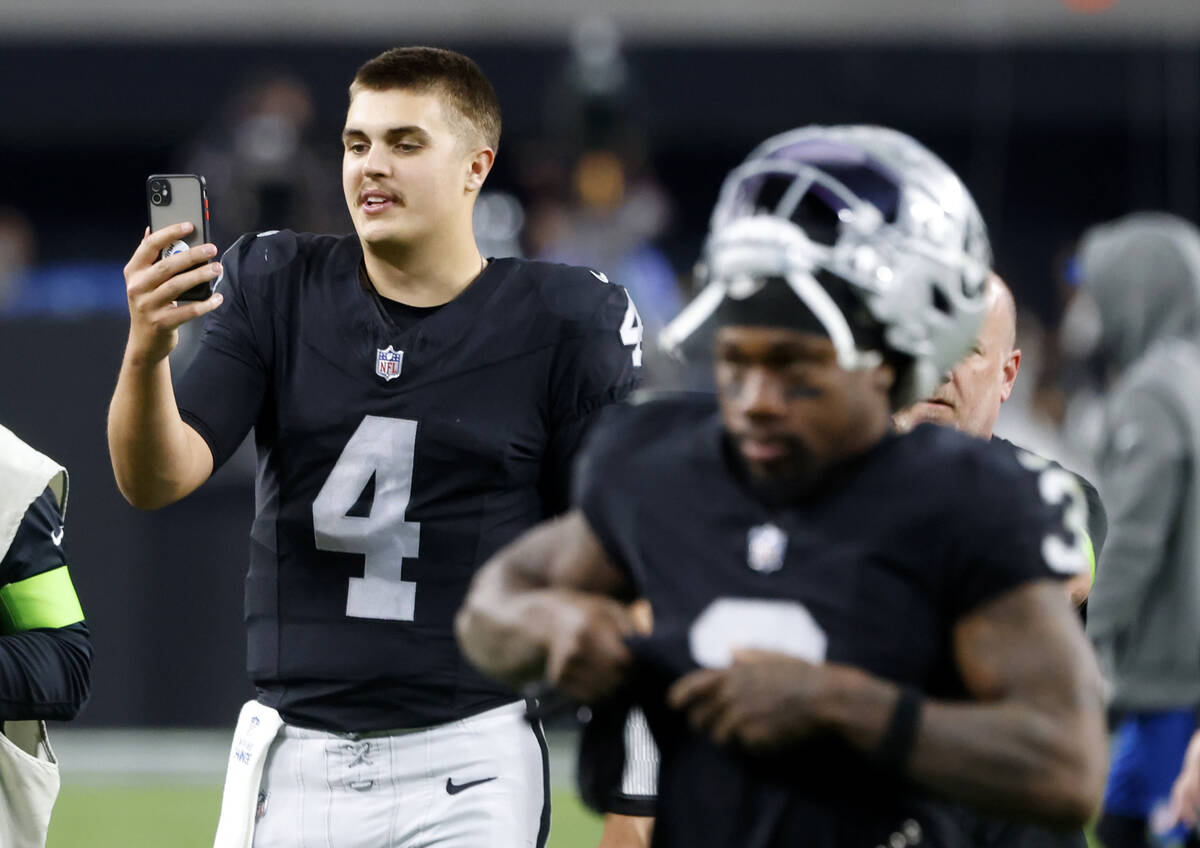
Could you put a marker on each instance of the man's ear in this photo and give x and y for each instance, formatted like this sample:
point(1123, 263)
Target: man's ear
point(883, 377)
point(1011, 366)
point(478, 168)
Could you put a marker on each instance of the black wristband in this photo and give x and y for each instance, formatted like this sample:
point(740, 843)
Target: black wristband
point(901, 733)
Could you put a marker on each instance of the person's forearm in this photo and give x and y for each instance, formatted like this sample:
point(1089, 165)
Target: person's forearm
point(621, 831)
point(505, 632)
point(1005, 757)
point(45, 673)
point(154, 460)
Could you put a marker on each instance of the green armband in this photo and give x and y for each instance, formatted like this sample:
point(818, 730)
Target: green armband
point(1091, 554)
point(44, 600)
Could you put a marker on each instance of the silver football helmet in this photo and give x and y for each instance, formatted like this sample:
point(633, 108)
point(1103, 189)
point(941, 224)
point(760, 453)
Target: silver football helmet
point(860, 208)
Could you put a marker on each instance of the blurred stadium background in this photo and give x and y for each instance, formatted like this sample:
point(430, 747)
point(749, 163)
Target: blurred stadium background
point(621, 118)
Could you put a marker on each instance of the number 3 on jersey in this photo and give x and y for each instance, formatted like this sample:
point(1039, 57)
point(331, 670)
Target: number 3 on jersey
point(383, 449)
point(1058, 486)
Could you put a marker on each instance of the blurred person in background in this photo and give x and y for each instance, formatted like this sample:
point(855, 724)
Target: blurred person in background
point(61, 289)
point(16, 256)
point(816, 673)
point(1141, 275)
point(598, 202)
point(415, 407)
point(45, 647)
point(263, 166)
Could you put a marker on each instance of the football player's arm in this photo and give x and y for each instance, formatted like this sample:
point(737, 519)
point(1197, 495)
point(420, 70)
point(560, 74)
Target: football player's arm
point(1030, 745)
point(45, 647)
point(626, 831)
point(545, 607)
point(1033, 742)
point(156, 457)
point(1142, 481)
point(1185, 794)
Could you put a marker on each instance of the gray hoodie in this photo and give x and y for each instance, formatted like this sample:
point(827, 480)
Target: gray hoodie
point(1144, 611)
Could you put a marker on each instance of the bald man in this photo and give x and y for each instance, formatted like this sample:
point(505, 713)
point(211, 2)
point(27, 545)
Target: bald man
point(971, 397)
point(970, 401)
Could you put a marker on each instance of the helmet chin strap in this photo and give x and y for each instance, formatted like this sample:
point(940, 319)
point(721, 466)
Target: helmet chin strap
point(821, 305)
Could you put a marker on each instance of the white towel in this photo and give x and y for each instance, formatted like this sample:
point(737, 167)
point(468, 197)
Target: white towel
point(28, 784)
point(257, 727)
point(24, 473)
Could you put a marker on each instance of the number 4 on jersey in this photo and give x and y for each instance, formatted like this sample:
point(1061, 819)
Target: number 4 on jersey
point(382, 448)
point(631, 331)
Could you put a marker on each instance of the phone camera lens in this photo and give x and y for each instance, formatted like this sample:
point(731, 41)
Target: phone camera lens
point(156, 199)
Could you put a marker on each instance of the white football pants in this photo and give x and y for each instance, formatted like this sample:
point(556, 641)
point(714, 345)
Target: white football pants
point(481, 782)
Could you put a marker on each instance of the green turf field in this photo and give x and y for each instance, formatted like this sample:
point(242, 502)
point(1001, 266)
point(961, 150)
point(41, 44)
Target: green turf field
point(179, 816)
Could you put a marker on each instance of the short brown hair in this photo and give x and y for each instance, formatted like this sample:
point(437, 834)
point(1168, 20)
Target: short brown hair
point(422, 69)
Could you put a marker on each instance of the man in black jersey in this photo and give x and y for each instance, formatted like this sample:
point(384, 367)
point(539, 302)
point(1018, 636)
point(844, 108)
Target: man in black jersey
point(415, 407)
point(45, 648)
point(840, 639)
point(970, 399)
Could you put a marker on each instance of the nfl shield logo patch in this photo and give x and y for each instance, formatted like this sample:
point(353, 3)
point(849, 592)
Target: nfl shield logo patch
point(387, 363)
point(766, 545)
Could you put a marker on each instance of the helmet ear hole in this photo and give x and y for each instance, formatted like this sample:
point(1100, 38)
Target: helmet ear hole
point(940, 301)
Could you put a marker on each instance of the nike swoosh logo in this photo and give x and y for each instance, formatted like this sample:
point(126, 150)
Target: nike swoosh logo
point(599, 275)
point(454, 788)
point(56, 536)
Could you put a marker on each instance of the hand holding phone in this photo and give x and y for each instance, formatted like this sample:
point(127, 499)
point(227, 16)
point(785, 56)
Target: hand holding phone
point(169, 278)
point(175, 199)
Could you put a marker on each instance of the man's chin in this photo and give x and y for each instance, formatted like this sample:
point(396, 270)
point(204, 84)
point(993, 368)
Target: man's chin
point(926, 412)
point(384, 239)
point(785, 479)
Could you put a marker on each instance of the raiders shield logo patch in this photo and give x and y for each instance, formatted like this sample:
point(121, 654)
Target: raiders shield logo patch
point(766, 546)
point(387, 363)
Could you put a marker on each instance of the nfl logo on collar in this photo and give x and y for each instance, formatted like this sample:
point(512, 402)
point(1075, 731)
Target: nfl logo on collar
point(766, 546)
point(387, 362)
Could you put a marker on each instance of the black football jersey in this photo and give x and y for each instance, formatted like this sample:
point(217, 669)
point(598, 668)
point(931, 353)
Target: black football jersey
point(1097, 516)
point(872, 570)
point(36, 547)
point(393, 459)
point(45, 645)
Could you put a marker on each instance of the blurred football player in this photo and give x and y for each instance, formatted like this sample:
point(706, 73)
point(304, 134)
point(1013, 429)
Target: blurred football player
point(45, 648)
point(1141, 274)
point(415, 407)
point(969, 400)
point(839, 638)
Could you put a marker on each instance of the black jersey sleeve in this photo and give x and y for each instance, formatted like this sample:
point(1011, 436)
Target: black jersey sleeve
point(222, 390)
point(600, 488)
point(597, 365)
point(1023, 518)
point(45, 647)
point(1097, 518)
